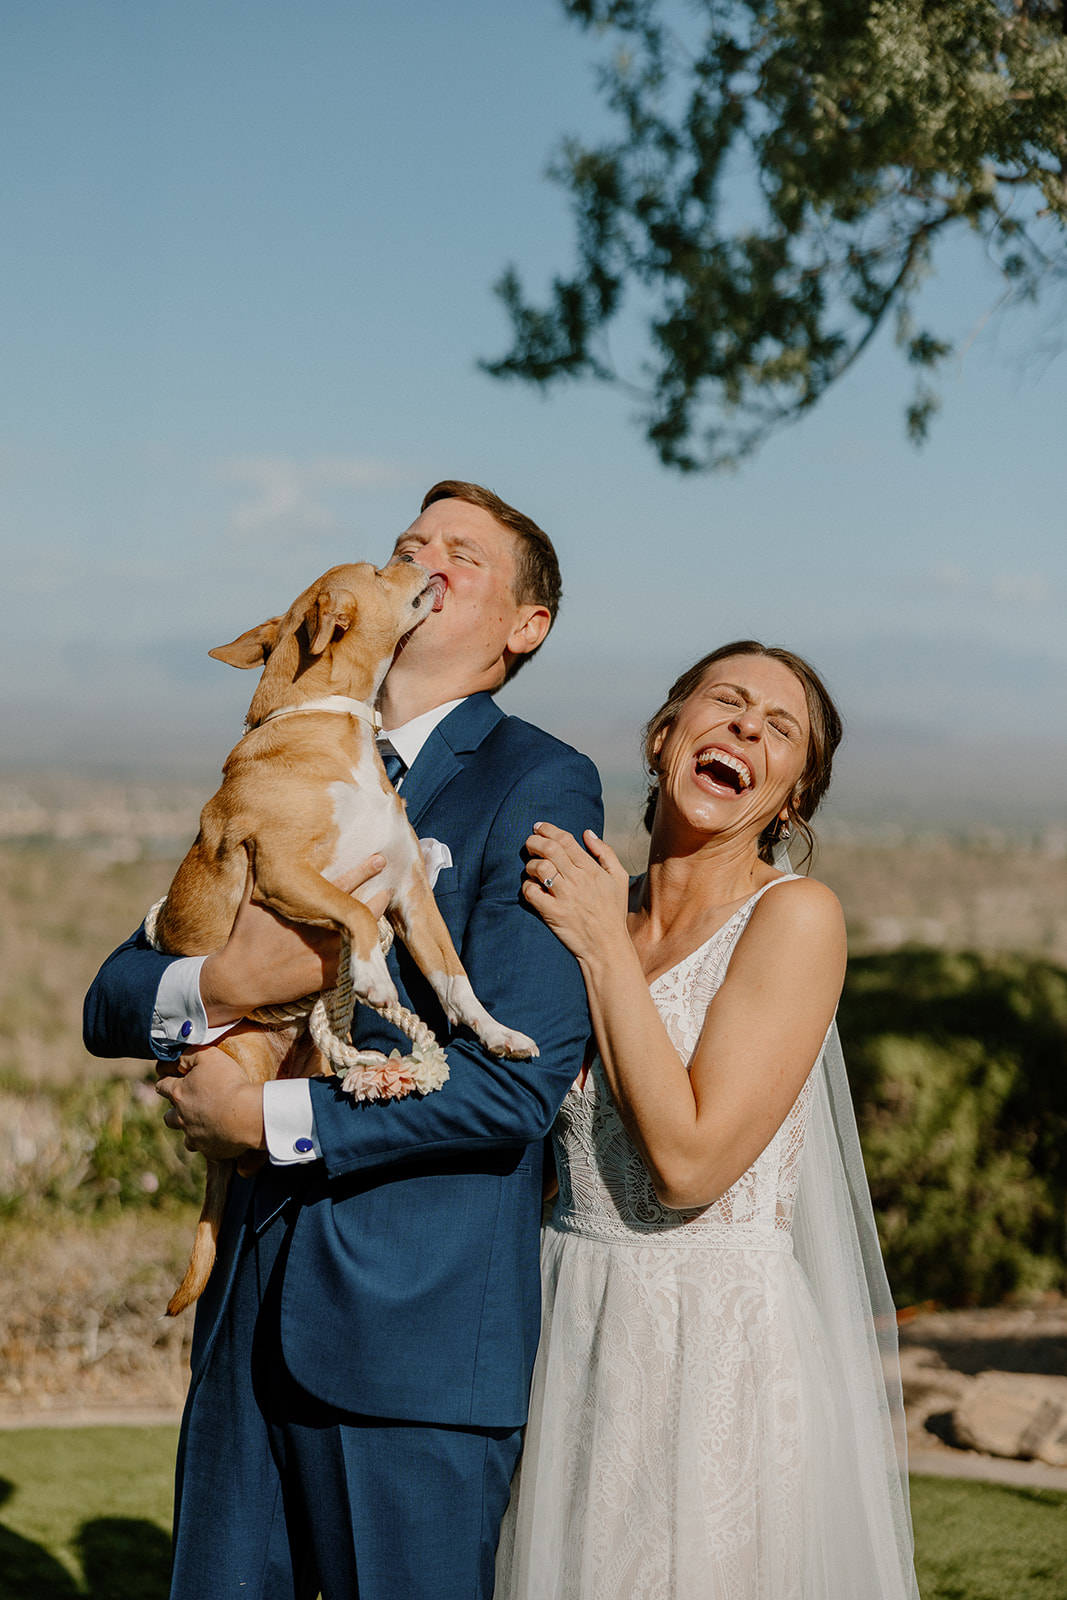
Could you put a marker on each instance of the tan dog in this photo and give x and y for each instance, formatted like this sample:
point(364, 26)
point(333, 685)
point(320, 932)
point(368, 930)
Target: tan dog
point(304, 799)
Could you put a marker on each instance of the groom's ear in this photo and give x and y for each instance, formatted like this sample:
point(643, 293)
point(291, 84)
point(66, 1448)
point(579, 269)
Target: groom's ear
point(529, 631)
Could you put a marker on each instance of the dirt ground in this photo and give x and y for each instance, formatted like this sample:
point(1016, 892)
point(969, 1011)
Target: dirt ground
point(81, 1317)
point(996, 1338)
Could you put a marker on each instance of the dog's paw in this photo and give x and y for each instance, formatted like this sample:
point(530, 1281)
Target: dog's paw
point(372, 983)
point(461, 1005)
point(508, 1042)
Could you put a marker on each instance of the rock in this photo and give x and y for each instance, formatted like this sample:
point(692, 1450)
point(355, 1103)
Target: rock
point(928, 1384)
point(1015, 1414)
point(931, 1390)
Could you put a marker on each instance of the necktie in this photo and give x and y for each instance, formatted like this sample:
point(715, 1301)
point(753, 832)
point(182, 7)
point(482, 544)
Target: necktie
point(395, 766)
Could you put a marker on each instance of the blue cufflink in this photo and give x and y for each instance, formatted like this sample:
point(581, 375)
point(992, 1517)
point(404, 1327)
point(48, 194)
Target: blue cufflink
point(186, 1029)
point(303, 1146)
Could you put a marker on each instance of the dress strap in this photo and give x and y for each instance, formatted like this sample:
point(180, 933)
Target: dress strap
point(740, 919)
point(787, 877)
point(748, 906)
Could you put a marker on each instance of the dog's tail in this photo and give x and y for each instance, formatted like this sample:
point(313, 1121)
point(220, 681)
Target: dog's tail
point(202, 1259)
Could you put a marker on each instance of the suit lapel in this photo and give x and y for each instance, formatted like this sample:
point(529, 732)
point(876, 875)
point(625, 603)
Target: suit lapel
point(440, 758)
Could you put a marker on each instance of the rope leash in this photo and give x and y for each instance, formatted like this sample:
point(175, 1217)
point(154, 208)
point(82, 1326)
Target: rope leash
point(368, 1075)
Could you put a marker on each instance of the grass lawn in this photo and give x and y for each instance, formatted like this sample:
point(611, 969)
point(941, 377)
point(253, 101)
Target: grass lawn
point(86, 1511)
point(985, 1541)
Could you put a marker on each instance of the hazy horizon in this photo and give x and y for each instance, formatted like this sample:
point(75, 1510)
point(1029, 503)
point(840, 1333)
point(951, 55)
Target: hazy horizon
point(249, 254)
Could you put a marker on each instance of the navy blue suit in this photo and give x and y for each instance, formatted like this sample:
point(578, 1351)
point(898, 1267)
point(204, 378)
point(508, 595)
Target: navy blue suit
point(369, 1306)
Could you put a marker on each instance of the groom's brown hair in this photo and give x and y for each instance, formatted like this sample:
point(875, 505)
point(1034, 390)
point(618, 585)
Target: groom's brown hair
point(537, 575)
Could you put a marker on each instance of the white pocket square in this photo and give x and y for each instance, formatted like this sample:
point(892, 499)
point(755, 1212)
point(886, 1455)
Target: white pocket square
point(435, 858)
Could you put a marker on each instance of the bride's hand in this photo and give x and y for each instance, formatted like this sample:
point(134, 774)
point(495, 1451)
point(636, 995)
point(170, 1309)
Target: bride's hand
point(582, 893)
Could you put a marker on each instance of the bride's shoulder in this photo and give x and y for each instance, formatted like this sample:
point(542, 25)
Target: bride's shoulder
point(796, 933)
point(796, 908)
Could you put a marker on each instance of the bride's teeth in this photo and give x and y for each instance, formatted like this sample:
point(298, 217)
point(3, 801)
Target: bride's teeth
point(707, 756)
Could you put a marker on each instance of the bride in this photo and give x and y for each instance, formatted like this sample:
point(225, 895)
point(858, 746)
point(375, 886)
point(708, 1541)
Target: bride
point(716, 1407)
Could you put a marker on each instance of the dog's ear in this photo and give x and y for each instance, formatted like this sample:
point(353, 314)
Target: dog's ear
point(253, 647)
point(331, 609)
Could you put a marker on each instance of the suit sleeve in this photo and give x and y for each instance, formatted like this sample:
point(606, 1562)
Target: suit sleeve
point(525, 978)
point(117, 1016)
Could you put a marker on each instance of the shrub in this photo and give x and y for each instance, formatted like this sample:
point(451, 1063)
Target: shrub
point(97, 1147)
point(958, 1065)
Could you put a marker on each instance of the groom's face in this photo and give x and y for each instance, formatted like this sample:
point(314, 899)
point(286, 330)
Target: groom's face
point(476, 619)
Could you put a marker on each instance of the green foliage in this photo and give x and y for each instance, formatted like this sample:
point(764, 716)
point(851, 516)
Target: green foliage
point(133, 1159)
point(784, 170)
point(98, 1147)
point(984, 1541)
point(958, 1065)
point(959, 1072)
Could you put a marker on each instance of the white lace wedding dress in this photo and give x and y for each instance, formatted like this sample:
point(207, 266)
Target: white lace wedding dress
point(691, 1436)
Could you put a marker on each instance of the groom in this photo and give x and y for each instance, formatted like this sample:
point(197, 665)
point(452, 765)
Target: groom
point(362, 1355)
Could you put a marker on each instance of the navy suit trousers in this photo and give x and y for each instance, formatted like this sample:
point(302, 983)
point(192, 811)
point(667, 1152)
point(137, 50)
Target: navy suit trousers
point(320, 1500)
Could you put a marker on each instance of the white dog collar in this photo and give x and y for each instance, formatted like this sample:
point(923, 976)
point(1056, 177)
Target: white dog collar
point(328, 702)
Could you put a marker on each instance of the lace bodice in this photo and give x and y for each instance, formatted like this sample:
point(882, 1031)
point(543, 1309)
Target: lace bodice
point(605, 1189)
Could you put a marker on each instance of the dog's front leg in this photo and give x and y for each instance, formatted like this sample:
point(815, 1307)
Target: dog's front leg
point(301, 894)
point(419, 923)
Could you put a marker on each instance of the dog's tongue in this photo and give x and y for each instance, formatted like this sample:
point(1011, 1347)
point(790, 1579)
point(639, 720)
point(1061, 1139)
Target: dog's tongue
point(438, 585)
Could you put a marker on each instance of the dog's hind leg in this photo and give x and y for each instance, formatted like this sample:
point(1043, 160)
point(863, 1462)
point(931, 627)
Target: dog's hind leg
point(259, 1054)
point(202, 1259)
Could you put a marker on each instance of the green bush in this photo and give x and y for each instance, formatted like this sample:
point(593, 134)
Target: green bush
point(134, 1159)
point(958, 1065)
point(97, 1147)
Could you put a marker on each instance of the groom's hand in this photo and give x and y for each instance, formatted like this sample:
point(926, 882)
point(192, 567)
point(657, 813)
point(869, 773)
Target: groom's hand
point(213, 1104)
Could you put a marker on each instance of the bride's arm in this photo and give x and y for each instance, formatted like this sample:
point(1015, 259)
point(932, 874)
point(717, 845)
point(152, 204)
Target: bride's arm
point(698, 1131)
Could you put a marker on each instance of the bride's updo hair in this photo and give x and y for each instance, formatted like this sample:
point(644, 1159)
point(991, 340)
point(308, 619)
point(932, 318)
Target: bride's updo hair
point(823, 740)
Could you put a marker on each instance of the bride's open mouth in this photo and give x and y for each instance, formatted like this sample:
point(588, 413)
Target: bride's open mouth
point(725, 771)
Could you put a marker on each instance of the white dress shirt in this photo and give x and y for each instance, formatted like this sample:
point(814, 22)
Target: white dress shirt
point(180, 1021)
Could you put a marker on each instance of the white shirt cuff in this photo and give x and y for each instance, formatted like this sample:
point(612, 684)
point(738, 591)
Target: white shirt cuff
point(178, 1016)
point(289, 1122)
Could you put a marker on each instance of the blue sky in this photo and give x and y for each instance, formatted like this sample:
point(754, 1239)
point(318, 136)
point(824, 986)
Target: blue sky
point(245, 275)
